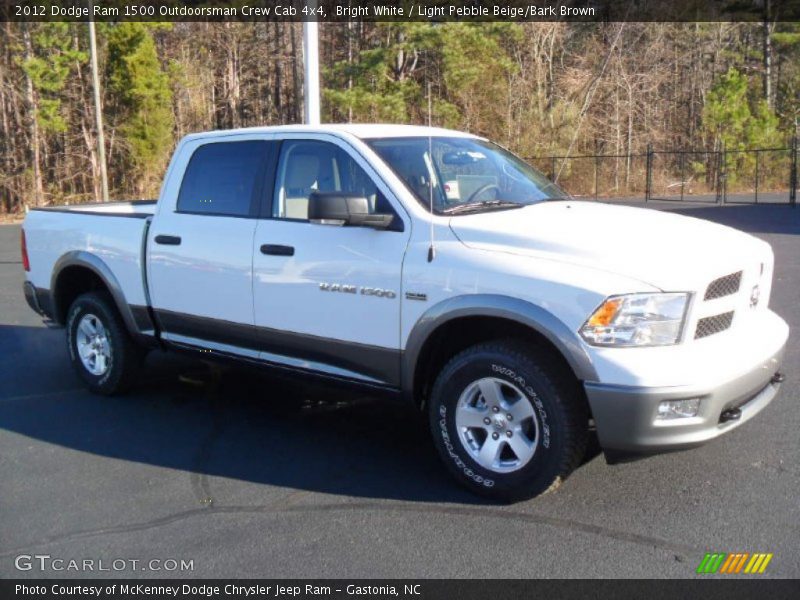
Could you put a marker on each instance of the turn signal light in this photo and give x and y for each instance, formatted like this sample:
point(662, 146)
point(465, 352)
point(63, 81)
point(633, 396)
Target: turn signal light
point(604, 315)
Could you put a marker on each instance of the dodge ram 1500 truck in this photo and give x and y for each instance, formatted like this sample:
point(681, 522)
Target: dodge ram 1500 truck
point(435, 266)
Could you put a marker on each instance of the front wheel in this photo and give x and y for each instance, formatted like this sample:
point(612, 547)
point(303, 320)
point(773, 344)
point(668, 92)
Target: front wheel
point(509, 422)
point(101, 351)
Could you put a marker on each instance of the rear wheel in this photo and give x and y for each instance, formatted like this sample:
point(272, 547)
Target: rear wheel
point(508, 422)
point(100, 348)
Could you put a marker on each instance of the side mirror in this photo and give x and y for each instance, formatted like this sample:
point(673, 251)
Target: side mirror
point(338, 208)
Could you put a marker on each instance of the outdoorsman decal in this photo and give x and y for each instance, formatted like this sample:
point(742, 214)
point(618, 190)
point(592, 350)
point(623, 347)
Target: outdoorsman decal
point(459, 463)
point(520, 381)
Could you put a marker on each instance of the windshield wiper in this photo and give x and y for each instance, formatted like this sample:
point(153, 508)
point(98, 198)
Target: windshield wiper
point(480, 206)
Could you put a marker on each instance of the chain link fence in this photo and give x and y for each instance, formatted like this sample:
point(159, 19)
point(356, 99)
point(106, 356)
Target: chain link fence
point(751, 176)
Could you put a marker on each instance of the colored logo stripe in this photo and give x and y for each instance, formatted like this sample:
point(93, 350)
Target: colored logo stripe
point(758, 563)
point(725, 563)
point(734, 563)
point(710, 563)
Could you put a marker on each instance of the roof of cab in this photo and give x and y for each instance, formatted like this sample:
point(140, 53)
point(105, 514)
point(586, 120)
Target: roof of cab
point(359, 130)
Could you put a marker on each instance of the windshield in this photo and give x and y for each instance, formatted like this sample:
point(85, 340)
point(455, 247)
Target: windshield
point(465, 175)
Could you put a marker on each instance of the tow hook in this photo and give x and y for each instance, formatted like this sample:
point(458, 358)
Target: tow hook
point(731, 414)
point(734, 414)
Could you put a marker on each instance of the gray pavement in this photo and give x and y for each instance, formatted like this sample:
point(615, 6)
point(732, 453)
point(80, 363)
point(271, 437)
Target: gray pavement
point(250, 476)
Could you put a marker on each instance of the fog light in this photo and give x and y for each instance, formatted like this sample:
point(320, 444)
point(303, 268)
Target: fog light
point(678, 409)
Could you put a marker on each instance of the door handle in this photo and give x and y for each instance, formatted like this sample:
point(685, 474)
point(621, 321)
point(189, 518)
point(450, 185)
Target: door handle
point(277, 250)
point(168, 240)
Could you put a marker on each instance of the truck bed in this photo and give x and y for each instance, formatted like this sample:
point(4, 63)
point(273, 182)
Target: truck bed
point(112, 232)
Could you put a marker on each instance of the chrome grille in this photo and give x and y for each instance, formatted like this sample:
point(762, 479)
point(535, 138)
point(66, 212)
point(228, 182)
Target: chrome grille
point(724, 286)
point(711, 325)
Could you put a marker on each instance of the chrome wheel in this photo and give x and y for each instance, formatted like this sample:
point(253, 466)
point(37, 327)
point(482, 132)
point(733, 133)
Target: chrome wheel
point(91, 341)
point(497, 425)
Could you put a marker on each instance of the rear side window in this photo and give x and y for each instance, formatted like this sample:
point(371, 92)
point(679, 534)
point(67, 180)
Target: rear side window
point(224, 178)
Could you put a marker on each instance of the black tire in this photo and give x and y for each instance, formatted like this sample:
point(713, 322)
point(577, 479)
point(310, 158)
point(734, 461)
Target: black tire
point(556, 403)
point(125, 357)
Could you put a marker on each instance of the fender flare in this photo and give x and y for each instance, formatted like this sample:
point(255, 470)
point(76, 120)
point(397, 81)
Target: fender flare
point(81, 258)
point(494, 305)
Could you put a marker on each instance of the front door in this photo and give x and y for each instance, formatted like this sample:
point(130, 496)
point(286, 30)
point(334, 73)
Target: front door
point(327, 297)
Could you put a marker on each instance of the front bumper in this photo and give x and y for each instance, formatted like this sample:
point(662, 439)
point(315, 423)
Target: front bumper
point(625, 416)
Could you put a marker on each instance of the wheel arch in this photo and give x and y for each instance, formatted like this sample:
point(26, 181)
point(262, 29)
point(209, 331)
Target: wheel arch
point(77, 272)
point(485, 316)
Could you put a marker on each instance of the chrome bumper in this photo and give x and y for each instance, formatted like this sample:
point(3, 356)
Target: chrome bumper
point(625, 417)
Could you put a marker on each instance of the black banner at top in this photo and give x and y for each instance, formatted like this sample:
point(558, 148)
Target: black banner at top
point(398, 11)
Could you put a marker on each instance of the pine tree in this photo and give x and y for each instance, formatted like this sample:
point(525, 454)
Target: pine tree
point(383, 84)
point(143, 100)
point(735, 126)
point(50, 65)
point(727, 112)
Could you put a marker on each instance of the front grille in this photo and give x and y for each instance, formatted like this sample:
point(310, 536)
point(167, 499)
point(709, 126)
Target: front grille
point(724, 286)
point(710, 325)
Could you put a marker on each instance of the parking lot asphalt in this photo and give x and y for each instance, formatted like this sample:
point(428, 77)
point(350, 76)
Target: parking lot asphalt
point(246, 475)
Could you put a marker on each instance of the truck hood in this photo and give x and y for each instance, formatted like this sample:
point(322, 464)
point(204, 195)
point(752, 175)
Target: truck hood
point(668, 251)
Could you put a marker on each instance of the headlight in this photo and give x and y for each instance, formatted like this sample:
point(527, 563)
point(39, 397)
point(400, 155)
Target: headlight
point(637, 320)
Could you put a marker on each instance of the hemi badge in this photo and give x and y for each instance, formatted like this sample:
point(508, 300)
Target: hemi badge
point(416, 296)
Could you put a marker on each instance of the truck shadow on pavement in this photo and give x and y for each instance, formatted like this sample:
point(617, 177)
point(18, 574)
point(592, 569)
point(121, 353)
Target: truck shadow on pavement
point(224, 422)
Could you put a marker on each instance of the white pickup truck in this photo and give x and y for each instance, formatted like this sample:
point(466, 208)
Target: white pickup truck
point(435, 266)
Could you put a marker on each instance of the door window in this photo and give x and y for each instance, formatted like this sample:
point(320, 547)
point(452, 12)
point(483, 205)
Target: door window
point(223, 178)
point(308, 166)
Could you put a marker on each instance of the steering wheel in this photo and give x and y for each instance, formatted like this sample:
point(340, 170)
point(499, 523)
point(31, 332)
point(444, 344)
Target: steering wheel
point(481, 190)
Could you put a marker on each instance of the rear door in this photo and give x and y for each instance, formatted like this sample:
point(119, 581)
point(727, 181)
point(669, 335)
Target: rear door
point(201, 243)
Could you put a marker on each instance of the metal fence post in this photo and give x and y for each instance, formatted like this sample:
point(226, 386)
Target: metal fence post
point(596, 165)
point(553, 169)
point(683, 172)
point(793, 174)
point(722, 175)
point(648, 180)
point(758, 153)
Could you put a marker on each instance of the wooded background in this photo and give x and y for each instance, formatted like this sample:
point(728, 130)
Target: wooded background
point(540, 89)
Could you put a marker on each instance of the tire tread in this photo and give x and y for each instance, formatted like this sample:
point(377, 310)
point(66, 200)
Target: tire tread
point(566, 392)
